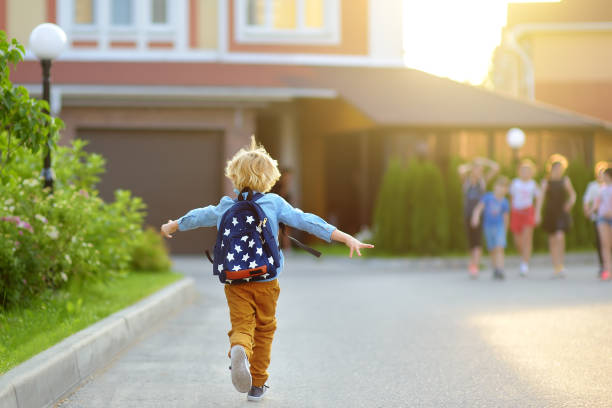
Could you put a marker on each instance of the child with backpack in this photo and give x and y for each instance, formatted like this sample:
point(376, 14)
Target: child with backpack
point(494, 208)
point(248, 261)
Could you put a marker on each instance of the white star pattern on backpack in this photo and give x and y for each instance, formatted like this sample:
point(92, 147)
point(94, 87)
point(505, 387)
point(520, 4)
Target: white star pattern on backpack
point(238, 249)
point(227, 232)
point(230, 256)
point(251, 243)
point(234, 221)
point(253, 265)
point(250, 219)
point(271, 260)
point(244, 238)
point(220, 268)
point(236, 268)
point(259, 251)
point(245, 257)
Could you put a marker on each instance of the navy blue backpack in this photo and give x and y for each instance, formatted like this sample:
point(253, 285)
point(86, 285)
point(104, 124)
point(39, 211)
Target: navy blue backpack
point(246, 249)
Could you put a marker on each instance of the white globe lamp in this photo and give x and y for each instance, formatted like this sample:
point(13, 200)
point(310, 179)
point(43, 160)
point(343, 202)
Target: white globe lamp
point(515, 138)
point(47, 41)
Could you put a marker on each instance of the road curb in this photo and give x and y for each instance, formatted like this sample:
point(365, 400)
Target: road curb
point(51, 374)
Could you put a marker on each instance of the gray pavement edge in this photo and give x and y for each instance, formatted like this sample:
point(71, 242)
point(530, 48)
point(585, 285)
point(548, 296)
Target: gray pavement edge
point(42, 380)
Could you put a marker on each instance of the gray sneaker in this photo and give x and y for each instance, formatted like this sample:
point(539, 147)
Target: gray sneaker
point(241, 376)
point(257, 393)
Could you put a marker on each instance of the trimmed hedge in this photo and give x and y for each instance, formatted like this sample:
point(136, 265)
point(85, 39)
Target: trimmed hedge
point(419, 209)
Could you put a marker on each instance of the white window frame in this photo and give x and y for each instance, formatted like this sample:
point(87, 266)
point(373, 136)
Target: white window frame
point(329, 34)
point(142, 31)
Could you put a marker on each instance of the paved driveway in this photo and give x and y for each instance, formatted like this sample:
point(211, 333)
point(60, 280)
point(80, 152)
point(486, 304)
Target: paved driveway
point(370, 333)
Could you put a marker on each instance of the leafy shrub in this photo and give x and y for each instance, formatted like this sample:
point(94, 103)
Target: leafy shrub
point(385, 226)
point(150, 253)
point(49, 240)
point(457, 240)
point(430, 213)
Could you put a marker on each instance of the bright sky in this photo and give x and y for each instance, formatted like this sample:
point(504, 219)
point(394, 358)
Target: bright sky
point(454, 38)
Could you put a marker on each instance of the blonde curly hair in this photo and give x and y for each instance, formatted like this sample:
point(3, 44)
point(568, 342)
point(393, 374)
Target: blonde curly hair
point(253, 167)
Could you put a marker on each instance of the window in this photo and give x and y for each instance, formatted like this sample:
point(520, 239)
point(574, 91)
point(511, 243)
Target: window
point(84, 12)
point(125, 24)
point(278, 21)
point(121, 12)
point(159, 11)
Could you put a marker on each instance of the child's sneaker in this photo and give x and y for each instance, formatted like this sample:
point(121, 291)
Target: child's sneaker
point(241, 376)
point(257, 393)
point(524, 269)
point(605, 275)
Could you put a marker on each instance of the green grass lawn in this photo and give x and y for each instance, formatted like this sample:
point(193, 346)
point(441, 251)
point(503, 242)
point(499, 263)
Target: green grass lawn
point(25, 332)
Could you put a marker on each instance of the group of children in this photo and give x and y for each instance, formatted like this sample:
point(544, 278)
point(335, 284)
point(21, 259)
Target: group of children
point(548, 205)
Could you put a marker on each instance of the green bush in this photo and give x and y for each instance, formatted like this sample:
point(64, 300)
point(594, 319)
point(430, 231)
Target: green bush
point(386, 205)
point(457, 240)
point(411, 212)
point(150, 253)
point(581, 234)
point(429, 229)
point(49, 240)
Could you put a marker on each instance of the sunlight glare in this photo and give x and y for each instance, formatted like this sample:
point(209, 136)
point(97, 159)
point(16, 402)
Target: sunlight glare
point(454, 38)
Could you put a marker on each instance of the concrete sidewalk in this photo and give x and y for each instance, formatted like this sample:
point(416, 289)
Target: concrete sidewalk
point(43, 379)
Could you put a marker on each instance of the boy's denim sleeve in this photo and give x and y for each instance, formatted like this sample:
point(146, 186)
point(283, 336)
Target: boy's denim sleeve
point(296, 218)
point(203, 217)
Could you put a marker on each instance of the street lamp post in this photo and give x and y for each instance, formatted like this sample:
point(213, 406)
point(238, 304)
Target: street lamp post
point(516, 139)
point(47, 41)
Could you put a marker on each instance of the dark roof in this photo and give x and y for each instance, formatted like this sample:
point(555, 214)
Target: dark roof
point(394, 96)
point(403, 96)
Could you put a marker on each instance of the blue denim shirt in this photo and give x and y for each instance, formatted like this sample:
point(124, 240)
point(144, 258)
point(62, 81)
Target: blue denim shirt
point(276, 209)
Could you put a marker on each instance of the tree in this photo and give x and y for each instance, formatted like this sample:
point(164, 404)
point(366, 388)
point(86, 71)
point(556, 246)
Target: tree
point(23, 120)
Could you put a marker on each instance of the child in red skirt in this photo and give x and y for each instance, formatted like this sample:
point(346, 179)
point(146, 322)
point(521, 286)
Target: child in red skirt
point(525, 197)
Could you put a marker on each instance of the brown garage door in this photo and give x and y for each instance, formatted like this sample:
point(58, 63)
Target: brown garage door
point(173, 172)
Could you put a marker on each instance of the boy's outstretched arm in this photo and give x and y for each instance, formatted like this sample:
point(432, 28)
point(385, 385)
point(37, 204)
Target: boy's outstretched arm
point(353, 243)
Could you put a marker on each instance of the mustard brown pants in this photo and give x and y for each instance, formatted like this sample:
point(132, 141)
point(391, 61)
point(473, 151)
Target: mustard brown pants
point(252, 308)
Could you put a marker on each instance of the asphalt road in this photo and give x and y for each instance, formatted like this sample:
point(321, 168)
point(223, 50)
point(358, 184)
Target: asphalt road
point(368, 333)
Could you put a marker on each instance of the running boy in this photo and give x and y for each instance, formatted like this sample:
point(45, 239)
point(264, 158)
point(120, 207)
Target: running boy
point(603, 206)
point(494, 207)
point(252, 305)
point(524, 191)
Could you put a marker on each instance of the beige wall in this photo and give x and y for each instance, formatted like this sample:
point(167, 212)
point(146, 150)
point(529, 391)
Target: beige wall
point(23, 16)
point(207, 23)
point(573, 56)
point(603, 146)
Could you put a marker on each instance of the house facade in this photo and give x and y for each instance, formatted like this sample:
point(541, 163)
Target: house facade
point(167, 90)
point(561, 54)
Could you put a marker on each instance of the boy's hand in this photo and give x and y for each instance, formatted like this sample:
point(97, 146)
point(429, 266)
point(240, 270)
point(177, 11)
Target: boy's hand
point(355, 245)
point(169, 228)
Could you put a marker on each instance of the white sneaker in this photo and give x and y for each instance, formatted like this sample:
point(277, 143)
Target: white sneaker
point(524, 269)
point(241, 376)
